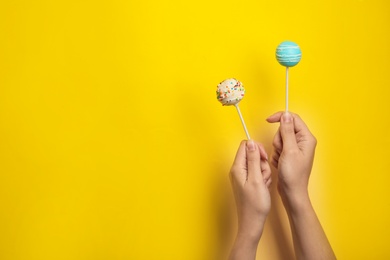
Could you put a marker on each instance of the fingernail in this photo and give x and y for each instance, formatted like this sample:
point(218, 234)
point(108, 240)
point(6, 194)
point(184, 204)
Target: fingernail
point(287, 117)
point(250, 145)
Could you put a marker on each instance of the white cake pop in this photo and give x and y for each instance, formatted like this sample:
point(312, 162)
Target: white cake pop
point(230, 92)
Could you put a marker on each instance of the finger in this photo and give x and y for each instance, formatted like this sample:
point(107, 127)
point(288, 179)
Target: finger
point(239, 164)
point(287, 131)
point(253, 161)
point(298, 122)
point(275, 161)
point(275, 117)
point(277, 142)
point(268, 182)
point(263, 153)
point(305, 139)
point(265, 169)
point(300, 126)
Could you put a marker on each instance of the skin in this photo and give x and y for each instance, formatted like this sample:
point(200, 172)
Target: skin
point(250, 177)
point(294, 147)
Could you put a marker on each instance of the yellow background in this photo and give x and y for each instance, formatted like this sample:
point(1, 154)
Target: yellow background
point(113, 145)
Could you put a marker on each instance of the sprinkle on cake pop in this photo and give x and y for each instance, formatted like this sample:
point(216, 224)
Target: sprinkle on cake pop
point(230, 92)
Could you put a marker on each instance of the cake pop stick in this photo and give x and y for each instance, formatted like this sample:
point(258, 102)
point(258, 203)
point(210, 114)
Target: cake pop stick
point(230, 92)
point(286, 89)
point(288, 54)
point(242, 121)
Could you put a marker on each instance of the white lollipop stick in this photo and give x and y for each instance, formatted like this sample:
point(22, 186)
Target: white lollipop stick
point(286, 89)
point(242, 121)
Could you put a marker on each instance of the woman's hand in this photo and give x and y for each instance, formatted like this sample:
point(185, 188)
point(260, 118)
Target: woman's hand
point(293, 156)
point(250, 176)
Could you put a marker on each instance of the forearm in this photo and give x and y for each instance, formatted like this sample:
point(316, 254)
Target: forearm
point(250, 229)
point(245, 247)
point(310, 241)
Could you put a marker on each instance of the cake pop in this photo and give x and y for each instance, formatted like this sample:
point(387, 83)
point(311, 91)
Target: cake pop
point(288, 54)
point(230, 92)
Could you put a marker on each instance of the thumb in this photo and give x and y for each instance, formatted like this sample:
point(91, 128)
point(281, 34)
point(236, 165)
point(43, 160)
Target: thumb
point(287, 132)
point(253, 161)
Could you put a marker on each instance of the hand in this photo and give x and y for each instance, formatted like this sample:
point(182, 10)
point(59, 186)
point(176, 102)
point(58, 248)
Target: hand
point(250, 176)
point(294, 153)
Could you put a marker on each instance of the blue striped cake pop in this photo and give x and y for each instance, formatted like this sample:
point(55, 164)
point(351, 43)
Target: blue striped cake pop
point(288, 54)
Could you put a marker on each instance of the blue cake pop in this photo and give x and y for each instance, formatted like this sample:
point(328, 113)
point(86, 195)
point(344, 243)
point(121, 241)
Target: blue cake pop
point(288, 54)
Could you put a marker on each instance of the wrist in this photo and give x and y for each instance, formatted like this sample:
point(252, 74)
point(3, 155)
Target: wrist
point(250, 229)
point(243, 249)
point(245, 244)
point(296, 201)
point(249, 236)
